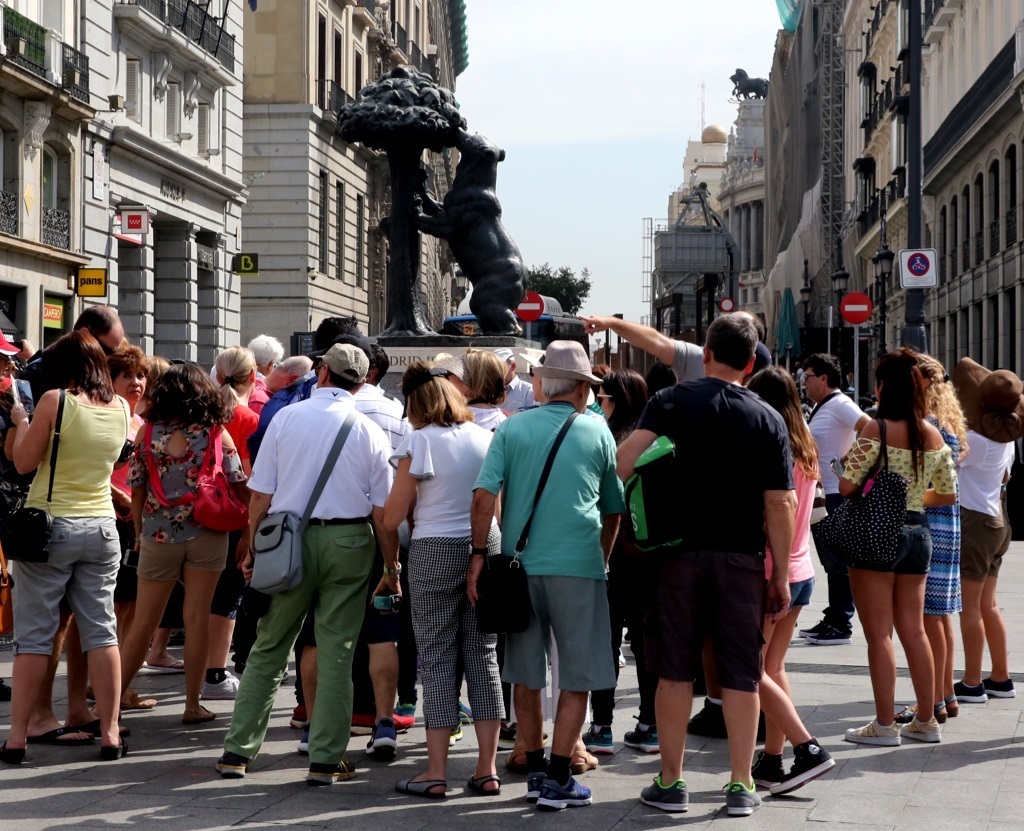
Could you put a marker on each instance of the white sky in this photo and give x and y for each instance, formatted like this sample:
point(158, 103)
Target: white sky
point(594, 101)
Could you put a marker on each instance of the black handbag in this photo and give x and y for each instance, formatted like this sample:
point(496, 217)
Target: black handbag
point(865, 529)
point(503, 594)
point(25, 534)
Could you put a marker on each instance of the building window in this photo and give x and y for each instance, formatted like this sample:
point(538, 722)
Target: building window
point(203, 128)
point(132, 83)
point(321, 47)
point(360, 240)
point(358, 66)
point(49, 178)
point(339, 223)
point(339, 57)
point(172, 112)
point(324, 228)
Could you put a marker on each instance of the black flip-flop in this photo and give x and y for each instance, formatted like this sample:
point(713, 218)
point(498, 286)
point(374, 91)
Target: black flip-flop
point(476, 785)
point(422, 788)
point(56, 737)
point(94, 728)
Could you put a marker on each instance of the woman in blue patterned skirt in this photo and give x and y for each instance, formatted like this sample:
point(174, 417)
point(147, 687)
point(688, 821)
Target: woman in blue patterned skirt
point(942, 590)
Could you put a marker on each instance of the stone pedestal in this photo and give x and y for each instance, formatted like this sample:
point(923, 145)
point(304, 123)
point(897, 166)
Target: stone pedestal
point(404, 350)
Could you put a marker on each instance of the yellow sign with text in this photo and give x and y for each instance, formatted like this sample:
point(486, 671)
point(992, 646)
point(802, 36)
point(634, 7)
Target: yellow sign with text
point(92, 282)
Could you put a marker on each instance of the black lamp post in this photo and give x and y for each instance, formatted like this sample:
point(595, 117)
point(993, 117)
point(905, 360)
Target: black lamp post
point(883, 261)
point(840, 280)
point(805, 297)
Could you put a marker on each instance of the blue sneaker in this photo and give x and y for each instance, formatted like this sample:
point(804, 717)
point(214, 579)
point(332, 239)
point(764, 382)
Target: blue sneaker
point(383, 742)
point(555, 797)
point(534, 783)
point(303, 749)
point(673, 798)
point(644, 738)
point(598, 739)
point(465, 714)
point(405, 709)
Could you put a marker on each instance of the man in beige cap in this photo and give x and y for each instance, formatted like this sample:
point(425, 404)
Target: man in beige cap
point(574, 523)
point(337, 552)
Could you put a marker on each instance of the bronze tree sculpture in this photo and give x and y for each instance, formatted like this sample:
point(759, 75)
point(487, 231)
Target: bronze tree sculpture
point(403, 114)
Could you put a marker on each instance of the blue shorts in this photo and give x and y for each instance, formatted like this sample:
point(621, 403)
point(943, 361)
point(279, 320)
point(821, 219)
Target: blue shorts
point(800, 592)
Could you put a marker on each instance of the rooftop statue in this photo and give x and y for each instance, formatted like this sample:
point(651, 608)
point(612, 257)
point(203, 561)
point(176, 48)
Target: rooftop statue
point(746, 87)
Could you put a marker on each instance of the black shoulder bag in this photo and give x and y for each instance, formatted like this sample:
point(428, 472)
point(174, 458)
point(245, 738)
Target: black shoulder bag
point(25, 535)
point(503, 602)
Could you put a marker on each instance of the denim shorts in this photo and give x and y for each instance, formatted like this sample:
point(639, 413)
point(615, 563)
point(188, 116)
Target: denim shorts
point(83, 561)
point(800, 592)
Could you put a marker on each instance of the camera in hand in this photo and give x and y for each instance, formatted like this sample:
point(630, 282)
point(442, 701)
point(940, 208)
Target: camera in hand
point(387, 602)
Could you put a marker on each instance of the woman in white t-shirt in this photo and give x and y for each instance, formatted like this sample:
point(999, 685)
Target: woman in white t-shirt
point(438, 463)
point(485, 377)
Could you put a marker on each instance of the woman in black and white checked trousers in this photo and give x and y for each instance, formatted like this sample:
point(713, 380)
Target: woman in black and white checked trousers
point(438, 463)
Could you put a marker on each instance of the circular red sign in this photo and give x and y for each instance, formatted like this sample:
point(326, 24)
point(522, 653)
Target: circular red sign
point(531, 308)
point(726, 304)
point(855, 308)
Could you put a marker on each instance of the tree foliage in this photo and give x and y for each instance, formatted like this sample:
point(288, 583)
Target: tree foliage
point(563, 285)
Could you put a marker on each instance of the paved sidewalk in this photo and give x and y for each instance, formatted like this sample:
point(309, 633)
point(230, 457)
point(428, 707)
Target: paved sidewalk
point(972, 780)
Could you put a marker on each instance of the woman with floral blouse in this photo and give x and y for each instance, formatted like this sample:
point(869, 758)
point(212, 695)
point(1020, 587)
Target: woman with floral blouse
point(186, 414)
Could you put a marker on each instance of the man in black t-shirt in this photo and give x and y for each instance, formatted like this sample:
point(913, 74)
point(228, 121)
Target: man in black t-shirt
point(735, 487)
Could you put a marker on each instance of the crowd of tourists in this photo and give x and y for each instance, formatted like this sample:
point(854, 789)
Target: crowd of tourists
point(405, 512)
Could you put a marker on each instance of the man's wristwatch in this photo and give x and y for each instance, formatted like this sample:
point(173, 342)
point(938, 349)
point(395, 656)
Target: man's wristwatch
point(393, 572)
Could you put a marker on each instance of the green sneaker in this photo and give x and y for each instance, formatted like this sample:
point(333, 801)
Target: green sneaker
point(741, 801)
point(456, 735)
point(673, 798)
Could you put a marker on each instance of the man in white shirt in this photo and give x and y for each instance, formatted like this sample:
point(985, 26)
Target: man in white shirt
point(518, 393)
point(835, 422)
point(338, 549)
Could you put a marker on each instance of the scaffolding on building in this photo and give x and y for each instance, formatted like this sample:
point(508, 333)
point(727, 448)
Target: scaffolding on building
point(833, 93)
point(647, 265)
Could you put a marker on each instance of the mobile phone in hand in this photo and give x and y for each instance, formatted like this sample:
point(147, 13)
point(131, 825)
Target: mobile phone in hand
point(837, 467)
point(22, 391)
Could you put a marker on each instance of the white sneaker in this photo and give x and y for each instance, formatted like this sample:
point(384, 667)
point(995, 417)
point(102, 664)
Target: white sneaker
point(923, 731)
point(875, 733)
point(226, 690)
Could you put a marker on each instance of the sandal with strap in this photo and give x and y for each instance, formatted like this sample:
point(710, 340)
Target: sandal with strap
point(582, 762)
point(111, 753)
point(516, 762)
point(423, 788)
point(11, 755)
point(200, 716)
point(476, 785)
point(952, 706)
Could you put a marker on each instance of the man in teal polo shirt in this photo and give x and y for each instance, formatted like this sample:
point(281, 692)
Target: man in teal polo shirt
point(573, 529)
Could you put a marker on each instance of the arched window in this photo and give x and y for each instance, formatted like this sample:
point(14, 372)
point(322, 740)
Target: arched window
point(56, 197)
point(995, 206)
point(965, 223)
point(979, 218)
point(1010, 191)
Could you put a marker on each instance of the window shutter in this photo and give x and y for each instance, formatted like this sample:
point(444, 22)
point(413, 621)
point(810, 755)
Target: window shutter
point(172, 101)
point(133, 76)
point(203, 128)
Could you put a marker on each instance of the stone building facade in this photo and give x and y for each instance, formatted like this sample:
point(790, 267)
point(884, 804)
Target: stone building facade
point(46, 99)
point(315, 202)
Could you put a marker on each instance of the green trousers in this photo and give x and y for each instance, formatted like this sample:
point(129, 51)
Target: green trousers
point(336, 562)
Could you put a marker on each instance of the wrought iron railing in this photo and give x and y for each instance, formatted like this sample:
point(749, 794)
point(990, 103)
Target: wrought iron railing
point(331, 97)
point(994, 237)
point(931, 8)
point(75, 72)
point(370, 6)
point(965, 254)
point(56, 228)
point(979, 247)
point(8, 213)
point(196, 24)
point(415, 55)
point(400, 36)
point(26, 42)
point(1011, 227)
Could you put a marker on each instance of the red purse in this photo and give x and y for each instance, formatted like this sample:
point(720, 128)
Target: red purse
point(214, 503)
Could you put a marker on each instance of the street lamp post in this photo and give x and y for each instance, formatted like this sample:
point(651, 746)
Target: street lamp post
point(883, 261)
point(840, 280)
point(805, 297)
point(914, 332)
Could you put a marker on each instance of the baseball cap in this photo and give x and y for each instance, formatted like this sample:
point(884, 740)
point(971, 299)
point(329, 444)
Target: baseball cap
point(347, 360)
point(6, 346)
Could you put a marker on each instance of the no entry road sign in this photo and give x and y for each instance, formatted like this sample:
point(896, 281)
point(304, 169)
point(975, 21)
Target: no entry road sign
point(531, 308)
point(855, 308)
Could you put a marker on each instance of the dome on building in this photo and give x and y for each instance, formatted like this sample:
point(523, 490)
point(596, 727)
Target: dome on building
point(714, 134)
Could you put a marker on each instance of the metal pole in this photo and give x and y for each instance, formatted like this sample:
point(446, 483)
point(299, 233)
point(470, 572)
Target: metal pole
point(856, 365)
point(914, 334)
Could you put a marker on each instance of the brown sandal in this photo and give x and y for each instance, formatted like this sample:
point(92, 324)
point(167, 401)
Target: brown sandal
point(200, 716)
point(516, 762)
point(131, 701)
point(582, 762)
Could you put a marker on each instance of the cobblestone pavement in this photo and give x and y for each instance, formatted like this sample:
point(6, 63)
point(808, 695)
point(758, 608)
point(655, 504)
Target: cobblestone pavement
point(972, 780)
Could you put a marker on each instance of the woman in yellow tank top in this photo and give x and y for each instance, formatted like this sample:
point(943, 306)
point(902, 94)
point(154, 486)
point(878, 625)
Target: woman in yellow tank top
point(893, 596)
point(83, 550)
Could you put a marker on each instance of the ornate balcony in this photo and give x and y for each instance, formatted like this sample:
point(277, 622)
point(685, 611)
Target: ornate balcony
point(57, 228)
point(26, 42)
point(965, 255)
point(158, 21)
point(75, 73)
point(1011, 227)
point(994, 237)
point(365, 12)
point(331, 97)
point(8, 213)
point(979, 247)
